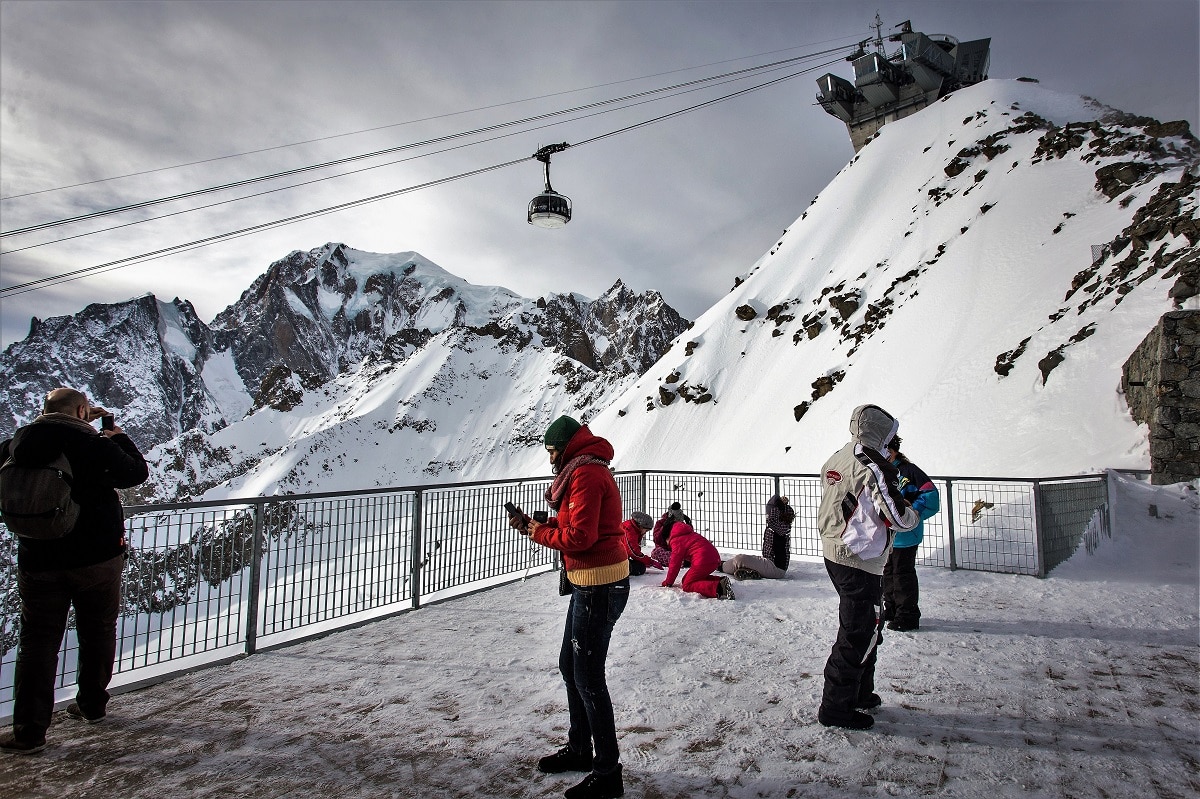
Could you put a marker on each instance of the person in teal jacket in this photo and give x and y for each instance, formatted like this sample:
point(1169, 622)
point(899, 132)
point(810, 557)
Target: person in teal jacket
point(901, 592)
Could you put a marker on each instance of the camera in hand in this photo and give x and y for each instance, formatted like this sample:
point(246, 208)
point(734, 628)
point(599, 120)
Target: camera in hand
point(107, 422)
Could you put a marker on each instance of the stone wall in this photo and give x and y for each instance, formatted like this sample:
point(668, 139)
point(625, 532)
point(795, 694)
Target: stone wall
point(1161, 381)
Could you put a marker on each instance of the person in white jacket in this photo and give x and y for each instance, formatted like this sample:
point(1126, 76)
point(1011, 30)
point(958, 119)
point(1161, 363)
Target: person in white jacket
point(861, 508)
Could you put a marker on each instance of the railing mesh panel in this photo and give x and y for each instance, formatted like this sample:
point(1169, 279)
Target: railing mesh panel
point(329, 558)
point(327, 561)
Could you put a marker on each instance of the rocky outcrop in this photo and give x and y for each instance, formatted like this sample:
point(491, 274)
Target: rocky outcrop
point(142, 359)
point(1161, 382)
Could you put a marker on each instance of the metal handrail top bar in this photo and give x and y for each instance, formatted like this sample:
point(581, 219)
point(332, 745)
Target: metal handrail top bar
point(132, 510)
point(355, 492)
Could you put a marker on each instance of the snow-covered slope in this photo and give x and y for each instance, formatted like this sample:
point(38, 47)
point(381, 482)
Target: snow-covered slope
point(947, 275)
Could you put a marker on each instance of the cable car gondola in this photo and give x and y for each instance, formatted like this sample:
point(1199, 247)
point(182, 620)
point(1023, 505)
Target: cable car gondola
point(549, 209)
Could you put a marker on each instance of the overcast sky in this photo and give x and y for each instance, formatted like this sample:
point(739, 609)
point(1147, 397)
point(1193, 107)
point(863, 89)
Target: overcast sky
point(95, 90)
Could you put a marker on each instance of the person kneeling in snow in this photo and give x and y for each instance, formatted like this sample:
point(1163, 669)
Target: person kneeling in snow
point(634, 529)
point(662, 534)
point(687, 544)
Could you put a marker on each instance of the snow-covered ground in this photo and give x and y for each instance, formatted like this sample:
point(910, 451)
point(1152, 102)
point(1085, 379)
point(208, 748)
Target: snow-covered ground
point(1083, 684)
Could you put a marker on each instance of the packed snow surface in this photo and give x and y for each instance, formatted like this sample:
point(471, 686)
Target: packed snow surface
point(1082, 684)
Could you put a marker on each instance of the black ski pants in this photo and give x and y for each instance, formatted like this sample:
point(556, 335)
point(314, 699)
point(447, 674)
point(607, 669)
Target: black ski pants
point(901, 593)
point(850, 670)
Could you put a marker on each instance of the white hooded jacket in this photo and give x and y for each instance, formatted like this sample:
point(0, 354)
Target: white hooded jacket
point(860, 502)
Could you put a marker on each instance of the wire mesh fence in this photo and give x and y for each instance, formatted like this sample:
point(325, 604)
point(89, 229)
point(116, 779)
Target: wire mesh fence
point(209, 581)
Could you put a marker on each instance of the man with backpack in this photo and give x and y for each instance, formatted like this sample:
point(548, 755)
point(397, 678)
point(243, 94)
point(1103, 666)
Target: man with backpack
point(82, 566)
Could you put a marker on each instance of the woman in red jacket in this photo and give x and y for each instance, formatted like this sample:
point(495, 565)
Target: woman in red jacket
point(687, 544)
point(587, 531)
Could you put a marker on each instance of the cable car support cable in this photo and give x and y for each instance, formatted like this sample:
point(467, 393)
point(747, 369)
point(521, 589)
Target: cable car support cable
point(77, 274)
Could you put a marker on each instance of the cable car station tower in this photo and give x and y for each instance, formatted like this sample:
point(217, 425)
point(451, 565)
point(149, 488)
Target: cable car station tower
point(886, 88)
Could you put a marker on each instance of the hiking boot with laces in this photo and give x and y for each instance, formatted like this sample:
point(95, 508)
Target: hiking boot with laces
point(746, 574)
point(724, 589)
point(565, 759)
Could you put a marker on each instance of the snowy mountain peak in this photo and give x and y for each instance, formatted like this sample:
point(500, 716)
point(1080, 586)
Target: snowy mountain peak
point(328, 348)
point(962, 271)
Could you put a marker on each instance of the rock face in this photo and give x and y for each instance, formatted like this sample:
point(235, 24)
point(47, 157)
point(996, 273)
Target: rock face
point(1161, 382)
point(154, 364)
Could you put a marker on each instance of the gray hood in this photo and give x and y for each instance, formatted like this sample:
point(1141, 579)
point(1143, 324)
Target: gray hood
point(873, 427)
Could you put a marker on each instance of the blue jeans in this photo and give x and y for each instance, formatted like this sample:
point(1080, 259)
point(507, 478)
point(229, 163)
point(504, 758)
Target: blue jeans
point(593, 612)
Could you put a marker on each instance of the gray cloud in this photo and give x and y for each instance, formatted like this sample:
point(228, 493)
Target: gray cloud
point(96, 89)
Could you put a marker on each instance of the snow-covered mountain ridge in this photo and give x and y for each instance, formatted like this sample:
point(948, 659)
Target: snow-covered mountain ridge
point(981, 269)
point(947, 274)
point(335, 350)
point(154, 362)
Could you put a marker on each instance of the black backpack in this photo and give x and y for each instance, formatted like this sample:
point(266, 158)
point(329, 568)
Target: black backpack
point(35, 501)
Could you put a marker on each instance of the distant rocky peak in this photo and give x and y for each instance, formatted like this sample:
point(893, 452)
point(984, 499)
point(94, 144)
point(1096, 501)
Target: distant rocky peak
point(142, 358)
point(620, 332)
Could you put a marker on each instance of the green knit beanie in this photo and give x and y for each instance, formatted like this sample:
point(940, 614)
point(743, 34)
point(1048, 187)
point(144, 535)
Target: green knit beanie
point(561, 431)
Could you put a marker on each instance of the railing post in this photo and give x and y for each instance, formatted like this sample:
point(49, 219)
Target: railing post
point(416, 567)
point(1109, 510)
point(1037, 529)
point(645, 493)
point(252, 601)
point(950, 524)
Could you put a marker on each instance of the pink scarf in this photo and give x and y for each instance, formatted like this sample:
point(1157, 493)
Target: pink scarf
point(557, 489)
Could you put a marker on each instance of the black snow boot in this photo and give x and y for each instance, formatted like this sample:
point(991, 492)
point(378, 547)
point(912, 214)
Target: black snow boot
point(565, 759)
point(854, 720)
point(599, 786)
point(868, 702)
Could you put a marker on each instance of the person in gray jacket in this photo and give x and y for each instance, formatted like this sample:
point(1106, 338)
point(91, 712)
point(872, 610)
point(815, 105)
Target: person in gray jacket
point(860, 509)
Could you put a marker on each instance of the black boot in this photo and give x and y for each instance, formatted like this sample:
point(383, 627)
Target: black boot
point(599, 786)
point(868, 702)
point(854, 720)
point(565, 759)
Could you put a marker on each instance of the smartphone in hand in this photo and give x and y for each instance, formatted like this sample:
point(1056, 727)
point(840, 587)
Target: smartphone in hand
point(516, 513)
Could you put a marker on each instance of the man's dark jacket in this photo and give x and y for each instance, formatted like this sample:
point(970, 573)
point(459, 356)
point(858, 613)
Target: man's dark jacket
point(100, 464)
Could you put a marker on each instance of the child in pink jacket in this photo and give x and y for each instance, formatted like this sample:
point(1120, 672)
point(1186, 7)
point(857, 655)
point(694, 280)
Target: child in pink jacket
point(687, 544)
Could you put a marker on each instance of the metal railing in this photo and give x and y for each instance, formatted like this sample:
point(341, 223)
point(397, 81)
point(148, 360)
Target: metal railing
point(209, 581)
